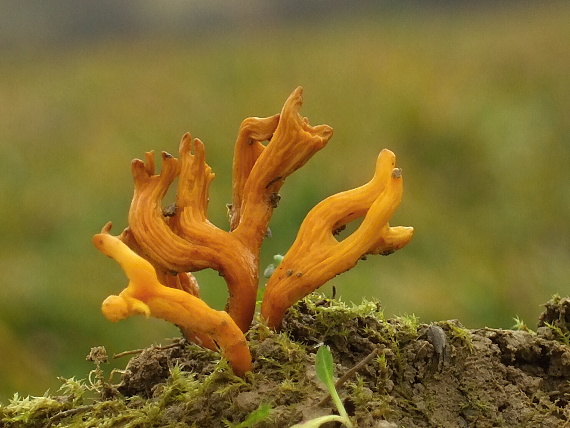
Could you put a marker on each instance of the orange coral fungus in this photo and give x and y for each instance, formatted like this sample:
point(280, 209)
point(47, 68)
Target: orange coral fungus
point(316, 256)
point(145, 295)
point(162, 246)
point(183, 240)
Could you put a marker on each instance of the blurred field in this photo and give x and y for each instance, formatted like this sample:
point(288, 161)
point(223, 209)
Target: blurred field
point(475, 105)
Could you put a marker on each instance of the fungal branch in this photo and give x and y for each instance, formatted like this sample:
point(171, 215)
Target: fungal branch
point(259, 172)
point(145, 295)
point(316, 256)
point(161, 247)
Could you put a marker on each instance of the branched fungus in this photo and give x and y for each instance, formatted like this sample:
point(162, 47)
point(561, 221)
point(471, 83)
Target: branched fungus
point(145, 295)
point(184, 240)
point(316, 256)
point(161, 247)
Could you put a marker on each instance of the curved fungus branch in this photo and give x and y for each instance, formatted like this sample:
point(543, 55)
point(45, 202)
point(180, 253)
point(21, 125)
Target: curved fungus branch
point(145, 295)
point(293, 143)
point(316, 256)
point(184, 281)
point(149, 226)
point(191, 240)
point(247, 149)
point(181, 280)
point(195, 178)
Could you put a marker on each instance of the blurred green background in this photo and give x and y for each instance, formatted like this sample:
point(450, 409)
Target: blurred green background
point(474, 102)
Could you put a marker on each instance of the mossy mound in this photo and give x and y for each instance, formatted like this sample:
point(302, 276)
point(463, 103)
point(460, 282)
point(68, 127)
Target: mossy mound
point(438, 375)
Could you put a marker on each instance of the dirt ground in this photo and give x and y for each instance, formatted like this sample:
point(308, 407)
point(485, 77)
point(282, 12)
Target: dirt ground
point(416, 375)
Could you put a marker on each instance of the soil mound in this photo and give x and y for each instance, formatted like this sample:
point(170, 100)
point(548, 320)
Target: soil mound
point(392, 372)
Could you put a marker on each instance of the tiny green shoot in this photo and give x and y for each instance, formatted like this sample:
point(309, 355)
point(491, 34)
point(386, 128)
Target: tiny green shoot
point(325, 372)
point(520, 325)
point(277, 258)
point(258, 415)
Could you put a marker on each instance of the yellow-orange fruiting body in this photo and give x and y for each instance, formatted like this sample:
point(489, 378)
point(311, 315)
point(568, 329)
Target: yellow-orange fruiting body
point(316, 256)
point(185, 241)
point(145, 295)
point(161, 247)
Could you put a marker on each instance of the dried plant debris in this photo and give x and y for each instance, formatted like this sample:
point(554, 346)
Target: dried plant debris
point(437, 375)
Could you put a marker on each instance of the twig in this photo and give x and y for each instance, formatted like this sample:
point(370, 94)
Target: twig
point(131, 352)
point(138, 351)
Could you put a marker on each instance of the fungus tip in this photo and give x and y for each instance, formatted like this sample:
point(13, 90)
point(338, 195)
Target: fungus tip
point(115, 308)
point(139, 169)
point(99, 240)
point(185, 142)
point(107, 227)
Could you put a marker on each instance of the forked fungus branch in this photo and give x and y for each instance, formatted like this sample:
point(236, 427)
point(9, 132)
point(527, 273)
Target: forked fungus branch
point(162, 246)
point(316, 256)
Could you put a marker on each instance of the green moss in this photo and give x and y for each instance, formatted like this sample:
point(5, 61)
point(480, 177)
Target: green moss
point(520, 325)
point(406, 381)
point(459, 333)
point(27, 411)
point(559, 334)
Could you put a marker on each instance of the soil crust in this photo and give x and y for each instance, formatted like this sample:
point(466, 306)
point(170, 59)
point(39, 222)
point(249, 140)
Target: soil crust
point(437, 375)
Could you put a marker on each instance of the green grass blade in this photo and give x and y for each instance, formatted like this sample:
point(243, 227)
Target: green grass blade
point(325, 372)
point(324, 367)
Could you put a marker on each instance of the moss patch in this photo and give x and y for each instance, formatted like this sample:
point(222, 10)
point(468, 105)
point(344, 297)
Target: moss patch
point(436, 375)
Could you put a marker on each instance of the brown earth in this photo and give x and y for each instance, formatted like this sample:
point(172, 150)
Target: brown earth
point(417, 375)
